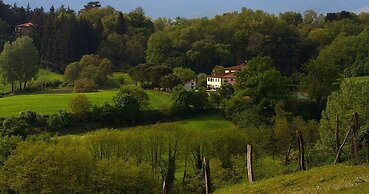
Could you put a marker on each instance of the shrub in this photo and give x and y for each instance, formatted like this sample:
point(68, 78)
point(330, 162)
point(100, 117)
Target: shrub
point(127, 106)
point(60, 120)
point(84, 85)
point(80, 106)
point(14, 126)
point(138, 93)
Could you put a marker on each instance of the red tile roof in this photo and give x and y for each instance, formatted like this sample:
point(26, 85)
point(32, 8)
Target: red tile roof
point(238, 67)
point(28, 24)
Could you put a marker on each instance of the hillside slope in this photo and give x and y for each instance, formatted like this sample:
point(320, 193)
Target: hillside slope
point(329, 179)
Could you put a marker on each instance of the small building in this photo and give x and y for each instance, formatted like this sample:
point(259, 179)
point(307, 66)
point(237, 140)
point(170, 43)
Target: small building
point(190, 85)
point(24, 29)
point(216, 81)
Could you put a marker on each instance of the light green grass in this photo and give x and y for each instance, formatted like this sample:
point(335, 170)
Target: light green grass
point(204, 123)
point(329, 179)
point(49, 76)
point(42, 74)
point(51, 103)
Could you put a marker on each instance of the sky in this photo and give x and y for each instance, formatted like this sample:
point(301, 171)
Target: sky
point(207, 8)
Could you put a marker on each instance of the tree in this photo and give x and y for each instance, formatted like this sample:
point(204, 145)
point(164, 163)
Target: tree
point(139, 73)
point(19, 61)
point(291, 18)
point(80, 106)
point(218, 69)
point(202, 80)
point(263, 84)
point(72, 72)
point(138, 93)
point(91, 67)
point(184, 74)
point(156, 73)
point(170, 81)
point(127, 106)
point(352, 97)
point(122, 25)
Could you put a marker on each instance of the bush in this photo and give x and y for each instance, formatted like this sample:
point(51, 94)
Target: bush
point(60, 120)
point(84, 85)
point(14, 126)
point(80, 106)
point(127, 106)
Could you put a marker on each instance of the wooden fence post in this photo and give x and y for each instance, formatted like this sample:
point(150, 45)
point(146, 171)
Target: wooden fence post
point(250, 173)
point(300, 142)
point(207, 176)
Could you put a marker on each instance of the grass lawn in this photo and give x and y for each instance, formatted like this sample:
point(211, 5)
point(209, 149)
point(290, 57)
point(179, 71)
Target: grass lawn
point(50, 103)
point(329, 179)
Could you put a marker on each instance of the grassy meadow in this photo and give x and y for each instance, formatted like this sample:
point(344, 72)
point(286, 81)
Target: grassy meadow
point(50, 103)
point(58, 99)
point(339, 178)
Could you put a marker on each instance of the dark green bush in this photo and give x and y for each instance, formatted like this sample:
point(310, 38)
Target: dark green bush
point(60, 120)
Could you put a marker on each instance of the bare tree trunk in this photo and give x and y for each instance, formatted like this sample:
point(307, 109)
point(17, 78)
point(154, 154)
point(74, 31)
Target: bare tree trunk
point(300, 142)
point(207, 176)
point(343, 144)
point(165, 190)
point(250, 173)
point(20, 86)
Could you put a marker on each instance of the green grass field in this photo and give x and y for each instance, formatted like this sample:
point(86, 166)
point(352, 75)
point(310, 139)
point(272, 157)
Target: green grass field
point(50, 103)
point(329, 179)
point(42, 74)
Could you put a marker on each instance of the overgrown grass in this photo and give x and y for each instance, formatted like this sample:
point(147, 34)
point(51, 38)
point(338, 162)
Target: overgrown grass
point(340, 178)
point(50, 103)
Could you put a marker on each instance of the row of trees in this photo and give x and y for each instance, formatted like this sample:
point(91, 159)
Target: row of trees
point(63, 36)
point(19, 62)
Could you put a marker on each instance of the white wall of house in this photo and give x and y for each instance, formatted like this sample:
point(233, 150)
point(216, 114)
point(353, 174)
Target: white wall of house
point(190, 85)
point(214, 83)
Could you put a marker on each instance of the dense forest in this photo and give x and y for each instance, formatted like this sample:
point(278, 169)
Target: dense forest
point(304, 72)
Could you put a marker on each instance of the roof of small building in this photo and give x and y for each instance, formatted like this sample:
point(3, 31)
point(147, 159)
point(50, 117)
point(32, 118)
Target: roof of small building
point(238, 67)
point(28, 24)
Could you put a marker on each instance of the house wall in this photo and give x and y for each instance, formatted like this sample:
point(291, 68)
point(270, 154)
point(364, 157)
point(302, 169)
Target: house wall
point(214, 83)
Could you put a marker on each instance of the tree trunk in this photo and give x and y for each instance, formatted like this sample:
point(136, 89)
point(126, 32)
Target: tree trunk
point(250, 173)
point(300, 142)
point(343, 144)
point(20, 86)
point(207, 176)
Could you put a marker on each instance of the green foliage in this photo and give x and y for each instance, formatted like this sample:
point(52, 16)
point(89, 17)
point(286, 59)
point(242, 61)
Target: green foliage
point(141, 96)
point(186, 102)
point(351, 98)
point(84, 85)
point(127, 105)
point(80, 106)
point(170, 81)
point(184, 74)
point(118, 176)
point(19, 61)
point(90, 67)
point(263, 84)
point(60, 120)
point(57, 168)
point(156, 73)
